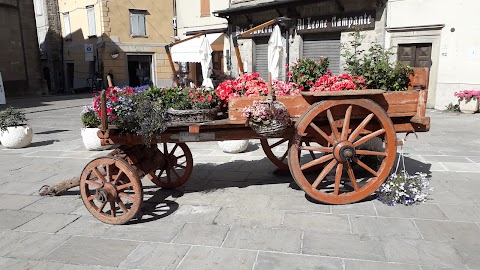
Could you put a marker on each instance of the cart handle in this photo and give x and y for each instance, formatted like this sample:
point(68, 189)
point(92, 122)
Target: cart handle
point(103, 109)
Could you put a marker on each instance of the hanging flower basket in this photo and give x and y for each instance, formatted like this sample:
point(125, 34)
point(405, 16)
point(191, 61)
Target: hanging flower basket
point(268, 118)
point(191, 116)
point(275, 129)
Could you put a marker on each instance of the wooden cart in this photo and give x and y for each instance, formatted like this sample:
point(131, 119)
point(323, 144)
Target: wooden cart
point(324, 148)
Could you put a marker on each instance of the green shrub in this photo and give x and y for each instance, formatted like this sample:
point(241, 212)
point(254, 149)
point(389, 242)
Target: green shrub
point(12, 117)
point(90, 118)
point(306, 71)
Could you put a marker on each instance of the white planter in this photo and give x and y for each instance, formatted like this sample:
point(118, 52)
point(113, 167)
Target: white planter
point(470, 106)
point(236, 146)
point(16, 137)
point(91, 140)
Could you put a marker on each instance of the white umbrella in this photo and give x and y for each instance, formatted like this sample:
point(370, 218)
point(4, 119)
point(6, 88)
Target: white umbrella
point(275, 47)
point(206, 62)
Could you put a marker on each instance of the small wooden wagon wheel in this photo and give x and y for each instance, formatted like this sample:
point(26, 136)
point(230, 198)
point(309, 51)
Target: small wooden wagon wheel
point(111, 190)
point(339, 123)
point(177, 168)
point(277, 150)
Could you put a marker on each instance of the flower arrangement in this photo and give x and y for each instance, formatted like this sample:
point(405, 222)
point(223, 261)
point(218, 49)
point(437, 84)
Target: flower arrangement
point(288, 88)
point(178, 98)
point(249, 85)
point(306, 71)
point(328, 82)
point(268, 118)
point(402, 188)
point(467, 95)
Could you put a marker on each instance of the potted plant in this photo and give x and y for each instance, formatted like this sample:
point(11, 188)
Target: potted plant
point(268, 118)
point(306, 71)
point(91, 122)
point(468, 100)
point(14, 131)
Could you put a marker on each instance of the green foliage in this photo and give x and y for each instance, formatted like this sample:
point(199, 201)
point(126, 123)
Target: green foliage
point(375, 65)
point(306, 71)
point(453, 107)
point(185, 98)
point(90, 118)
point(12, 117)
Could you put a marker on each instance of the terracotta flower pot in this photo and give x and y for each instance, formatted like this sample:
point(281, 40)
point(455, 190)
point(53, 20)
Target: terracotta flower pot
point(16, 137)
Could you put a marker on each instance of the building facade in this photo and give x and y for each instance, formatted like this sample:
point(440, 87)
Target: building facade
point(19, 53)
point(123, 38)
point(49, 33)
point(193, 17)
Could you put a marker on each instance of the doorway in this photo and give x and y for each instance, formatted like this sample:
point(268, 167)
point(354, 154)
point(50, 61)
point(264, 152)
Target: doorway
point(70, 76)
point(415, 55)
point(140, 70)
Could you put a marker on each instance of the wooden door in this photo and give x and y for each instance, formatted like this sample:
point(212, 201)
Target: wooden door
point(415, 55)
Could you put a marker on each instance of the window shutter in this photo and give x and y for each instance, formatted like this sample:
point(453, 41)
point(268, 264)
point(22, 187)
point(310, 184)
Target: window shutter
point(141, 25)
point(205, 7)
point(66, 23)
point(134, 23)
point(92, 31)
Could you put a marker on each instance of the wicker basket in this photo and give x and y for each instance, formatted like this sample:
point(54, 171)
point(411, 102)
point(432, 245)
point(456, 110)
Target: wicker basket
point(275, 129)
point(191, 116)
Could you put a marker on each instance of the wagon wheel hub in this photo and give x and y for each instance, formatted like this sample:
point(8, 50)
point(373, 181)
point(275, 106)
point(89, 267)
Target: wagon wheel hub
point(107, 193)
point(344, 151)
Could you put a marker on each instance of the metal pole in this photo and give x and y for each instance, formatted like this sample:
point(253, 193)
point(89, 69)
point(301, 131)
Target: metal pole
point(287, 51)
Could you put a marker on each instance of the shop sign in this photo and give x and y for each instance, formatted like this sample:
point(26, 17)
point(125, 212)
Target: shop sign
point(89, 53)
point(330, 23)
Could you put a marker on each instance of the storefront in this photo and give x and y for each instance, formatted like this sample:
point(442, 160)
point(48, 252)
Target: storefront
point(317, 29)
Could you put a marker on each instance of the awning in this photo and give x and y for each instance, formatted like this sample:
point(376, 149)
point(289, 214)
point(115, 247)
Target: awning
point(190, 51)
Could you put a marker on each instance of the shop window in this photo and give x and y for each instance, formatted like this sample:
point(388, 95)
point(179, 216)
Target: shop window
point(137, 23)
point(92, 29)
point(205, 8)
point(66, 25)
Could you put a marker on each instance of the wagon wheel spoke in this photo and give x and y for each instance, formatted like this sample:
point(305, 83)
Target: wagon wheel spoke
point(100, 209)
point(175, 172)
point(368, 137)
point(169, 179)
point(317, 149)
point(93, 183)
point(365, 166)
point(91, 197)
point(179, 166)
point(331, 121)
point(322, 133)
point(124, 186)
point(182, 156)
point(370, 153)
point(126, 196)
point(99, 175)
point(173, 149)
point(278, 143)
point(310, 151)
point(324, 173)
point(338, 176)
point(360, 127)
point(122, 206)
point(346, 123)
point(165, 149)
point(316, 162)
point(118, 176)
point(112, 209)
point(352, 177)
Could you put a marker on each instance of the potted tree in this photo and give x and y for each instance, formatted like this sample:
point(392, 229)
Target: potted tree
point(14, 131)
point(91, 121)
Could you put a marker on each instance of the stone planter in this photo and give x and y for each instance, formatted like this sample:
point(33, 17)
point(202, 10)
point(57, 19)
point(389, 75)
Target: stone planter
point(234, 146)
point(16, 137)
point(469, 106)
point(91, 140)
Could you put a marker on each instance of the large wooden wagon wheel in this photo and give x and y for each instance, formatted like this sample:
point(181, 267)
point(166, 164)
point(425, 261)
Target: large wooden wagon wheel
point(339, 123)
point(111, 190)
point(177, 168)
point(276, 150)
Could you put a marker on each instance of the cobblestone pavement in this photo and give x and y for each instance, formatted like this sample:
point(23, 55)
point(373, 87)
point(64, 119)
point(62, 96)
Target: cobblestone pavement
point(234, 213)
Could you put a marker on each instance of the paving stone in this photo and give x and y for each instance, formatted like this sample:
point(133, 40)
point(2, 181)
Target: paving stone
point(7, 238)
point(194, 214)
point(55, 205)
point(19, 188)
point(371, 265)
point(32, 177)
point(343, 246)
point(421, 252)
point(325, 223)
point(264, 239)
point(16, 202)
point(281, 261)
point(232, 199)
point(378, 226)
point(149, 231)
point(228, 176)
point(462, 167)
point(361, 208)
point(470, 254)
point(447, 231)
point(16, 264)
point(203, 258)
point(470, 176)
point(248, 217)
point(422, 211)
point(296, 203)
point(461, 212)
point(201, 234)
point(446, 158)
point(85, 226)
point(155, 256)
point(12, 219)
point(33, 246)
point(199, 198)
point(48, 223)
point(92, 251)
